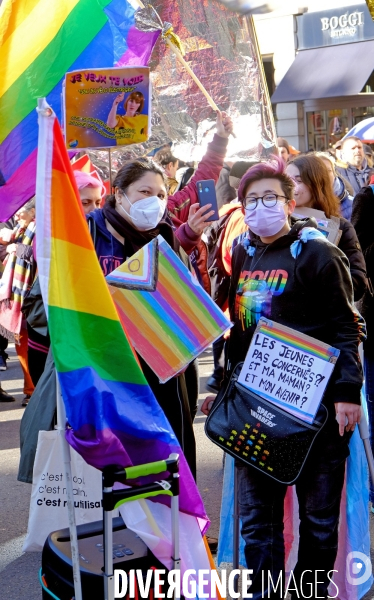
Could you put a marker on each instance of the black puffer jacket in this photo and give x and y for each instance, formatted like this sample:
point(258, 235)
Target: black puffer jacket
point(350, 244)
point(363, 221)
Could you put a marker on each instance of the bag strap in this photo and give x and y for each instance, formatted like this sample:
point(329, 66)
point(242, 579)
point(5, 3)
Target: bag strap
point(92, 228)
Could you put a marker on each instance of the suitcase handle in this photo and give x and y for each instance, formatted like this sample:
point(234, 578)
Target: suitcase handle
point(169, 486)
point(148, 469)
point(112, 474)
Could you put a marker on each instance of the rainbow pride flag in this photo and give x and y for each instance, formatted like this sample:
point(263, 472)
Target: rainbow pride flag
point(172, 323)
point(113, 415)
point(40, 40)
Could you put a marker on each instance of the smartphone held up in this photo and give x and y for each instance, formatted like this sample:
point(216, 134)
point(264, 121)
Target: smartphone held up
point(206, 191)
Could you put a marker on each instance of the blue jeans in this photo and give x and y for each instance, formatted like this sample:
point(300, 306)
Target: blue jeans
point(369, 389)
point(261, 502)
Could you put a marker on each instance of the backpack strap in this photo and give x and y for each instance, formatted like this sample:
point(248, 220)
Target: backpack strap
point(92, 228)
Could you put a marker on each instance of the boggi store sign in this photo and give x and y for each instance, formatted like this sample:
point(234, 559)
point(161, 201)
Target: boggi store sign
point(345, 25)
point(336, 26)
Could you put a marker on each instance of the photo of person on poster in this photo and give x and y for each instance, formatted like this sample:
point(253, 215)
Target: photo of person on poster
point(130, 120)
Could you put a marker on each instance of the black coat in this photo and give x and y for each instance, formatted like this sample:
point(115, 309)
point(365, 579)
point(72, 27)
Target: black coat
point(350, 244)
point(363, 222)
point(311, 293)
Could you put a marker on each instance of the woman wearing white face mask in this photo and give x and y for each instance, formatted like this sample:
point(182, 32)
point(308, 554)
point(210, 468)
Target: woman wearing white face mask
point(134, 215)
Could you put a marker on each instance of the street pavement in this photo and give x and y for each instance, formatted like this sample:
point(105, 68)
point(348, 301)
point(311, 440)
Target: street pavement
point(19, 571)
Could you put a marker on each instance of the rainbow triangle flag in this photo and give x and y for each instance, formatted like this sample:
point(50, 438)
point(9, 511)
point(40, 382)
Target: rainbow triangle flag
point(41, 40)
point(112, 414)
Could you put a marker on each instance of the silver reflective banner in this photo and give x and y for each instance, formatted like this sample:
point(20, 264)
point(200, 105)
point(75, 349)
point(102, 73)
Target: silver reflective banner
point(221, 48)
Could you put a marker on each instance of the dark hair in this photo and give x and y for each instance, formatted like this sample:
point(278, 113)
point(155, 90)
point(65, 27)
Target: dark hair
point(282, 143)
point(350, 137)
point(273, 169)
point(314, 174)
point(164, 157)
point(138, 97)
point(240, 167)
point(133, 171)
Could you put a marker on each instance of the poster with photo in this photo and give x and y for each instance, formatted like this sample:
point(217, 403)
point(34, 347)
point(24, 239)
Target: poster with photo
point(107, 107)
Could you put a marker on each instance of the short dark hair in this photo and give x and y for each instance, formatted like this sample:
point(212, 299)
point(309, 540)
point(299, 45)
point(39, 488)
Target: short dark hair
point(164, 156)
point(272, 169)
point(350, 137)
point(240, 167)
point(133, 171)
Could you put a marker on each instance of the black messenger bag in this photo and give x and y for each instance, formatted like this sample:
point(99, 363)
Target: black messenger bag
point(260, 434)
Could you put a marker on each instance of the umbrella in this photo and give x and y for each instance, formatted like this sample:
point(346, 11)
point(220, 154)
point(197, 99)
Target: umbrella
point(363, 130)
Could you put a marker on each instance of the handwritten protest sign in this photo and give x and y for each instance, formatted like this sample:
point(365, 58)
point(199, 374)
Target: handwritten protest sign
point(107, 107)
point(288, 368)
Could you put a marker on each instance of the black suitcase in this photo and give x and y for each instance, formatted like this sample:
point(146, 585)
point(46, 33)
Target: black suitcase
point(129, 552)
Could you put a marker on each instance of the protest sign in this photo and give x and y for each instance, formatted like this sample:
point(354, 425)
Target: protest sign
point(288, 368)
point(329, 227)
point(107, 107)
point(174, 323)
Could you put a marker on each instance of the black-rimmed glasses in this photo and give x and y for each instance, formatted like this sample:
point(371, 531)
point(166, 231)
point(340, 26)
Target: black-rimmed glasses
point(269, 200)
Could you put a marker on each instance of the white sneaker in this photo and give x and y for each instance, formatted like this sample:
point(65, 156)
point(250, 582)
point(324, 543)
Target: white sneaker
point(3, 366)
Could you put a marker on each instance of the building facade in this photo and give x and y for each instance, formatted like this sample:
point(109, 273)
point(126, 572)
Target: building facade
point(319, 63)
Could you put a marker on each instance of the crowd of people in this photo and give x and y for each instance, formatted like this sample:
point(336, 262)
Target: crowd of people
point(327, 295)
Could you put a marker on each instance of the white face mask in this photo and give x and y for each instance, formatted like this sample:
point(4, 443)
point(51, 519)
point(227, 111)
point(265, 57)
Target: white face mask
point(145, 214)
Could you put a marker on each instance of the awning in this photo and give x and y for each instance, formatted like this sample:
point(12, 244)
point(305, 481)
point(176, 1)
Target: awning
point(327, 72)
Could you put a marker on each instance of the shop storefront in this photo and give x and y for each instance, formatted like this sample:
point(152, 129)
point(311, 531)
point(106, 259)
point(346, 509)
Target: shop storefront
point(331, 78)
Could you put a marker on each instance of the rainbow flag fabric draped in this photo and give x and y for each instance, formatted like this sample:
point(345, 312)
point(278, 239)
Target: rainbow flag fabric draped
point(113, 415)
point(40, 40)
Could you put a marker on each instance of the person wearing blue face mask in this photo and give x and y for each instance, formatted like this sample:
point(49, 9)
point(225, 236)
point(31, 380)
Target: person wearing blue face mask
point(132, 216)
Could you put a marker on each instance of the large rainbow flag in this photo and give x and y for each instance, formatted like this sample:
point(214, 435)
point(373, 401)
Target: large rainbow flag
point(40, 40)
point(112, 414)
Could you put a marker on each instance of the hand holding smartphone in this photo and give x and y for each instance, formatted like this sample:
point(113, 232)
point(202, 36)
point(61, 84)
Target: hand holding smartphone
point(206, 191)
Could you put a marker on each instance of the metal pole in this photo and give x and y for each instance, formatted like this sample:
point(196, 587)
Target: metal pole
point(61, 421)
point(175, 527)
point(110, 171)
point(235, 560)
point(108, 552)
point(175, 534)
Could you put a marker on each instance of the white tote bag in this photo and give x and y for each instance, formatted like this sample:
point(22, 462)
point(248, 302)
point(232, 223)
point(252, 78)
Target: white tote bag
point(48, 504)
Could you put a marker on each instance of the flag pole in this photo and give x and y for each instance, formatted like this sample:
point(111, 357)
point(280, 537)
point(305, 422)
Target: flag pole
point(179, 57)
point(61, 425)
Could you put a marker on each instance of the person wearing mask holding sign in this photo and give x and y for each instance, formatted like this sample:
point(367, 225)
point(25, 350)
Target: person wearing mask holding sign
point(135, 214)
point(288, 272)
